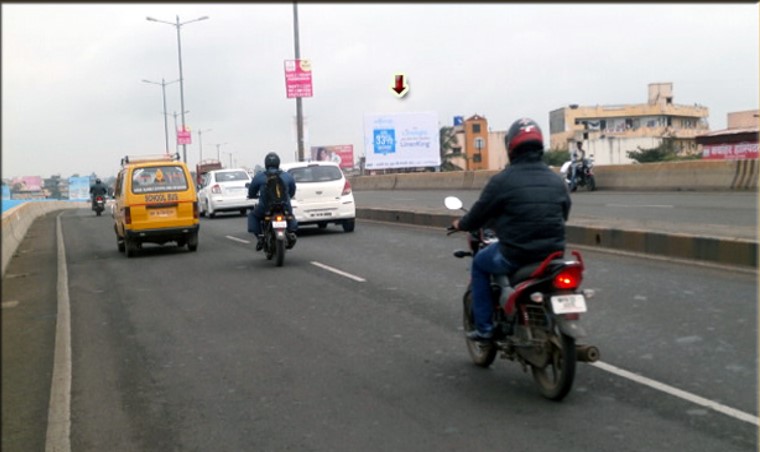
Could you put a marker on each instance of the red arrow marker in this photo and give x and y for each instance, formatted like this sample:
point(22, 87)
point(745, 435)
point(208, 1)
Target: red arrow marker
point(400, 88)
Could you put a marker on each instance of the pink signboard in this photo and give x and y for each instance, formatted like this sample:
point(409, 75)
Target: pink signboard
point(184, 137)
point(730, 151)
point(298, 78)
point(342, 154)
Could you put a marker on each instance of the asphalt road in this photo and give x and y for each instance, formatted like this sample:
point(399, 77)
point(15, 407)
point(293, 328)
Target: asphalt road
point(220, 350)
point(714, 214)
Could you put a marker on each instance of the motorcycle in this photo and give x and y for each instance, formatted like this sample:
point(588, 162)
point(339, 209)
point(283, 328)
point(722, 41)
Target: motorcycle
point(584, 176)
point(100, 204)
point(544, 302)
point(274, 229)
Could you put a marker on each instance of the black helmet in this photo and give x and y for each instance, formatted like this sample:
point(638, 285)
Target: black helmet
point(523, 135)
point(97, 181)
point(272, 160)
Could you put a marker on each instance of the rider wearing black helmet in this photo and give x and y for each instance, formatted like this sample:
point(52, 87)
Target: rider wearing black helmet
point(97, 189)
point(526, 205)
point(256, 190)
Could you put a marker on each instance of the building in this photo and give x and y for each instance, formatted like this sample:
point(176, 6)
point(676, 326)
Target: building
point(739, 140)
point(609, 132)
point(476, 142)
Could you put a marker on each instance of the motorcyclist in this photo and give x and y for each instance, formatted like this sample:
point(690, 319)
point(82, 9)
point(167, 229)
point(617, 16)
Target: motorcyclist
point(97, 189)
point(577, 158)
point(527, 205)
point(256, 189)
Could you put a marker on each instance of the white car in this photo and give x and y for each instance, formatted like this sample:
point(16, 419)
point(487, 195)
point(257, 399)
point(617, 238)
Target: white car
point(323, 195)
point(224, 190)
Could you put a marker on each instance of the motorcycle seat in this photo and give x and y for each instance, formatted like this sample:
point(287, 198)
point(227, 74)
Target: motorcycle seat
point(524, 273)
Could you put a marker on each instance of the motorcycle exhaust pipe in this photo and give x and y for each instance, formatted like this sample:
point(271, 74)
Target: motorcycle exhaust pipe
point(586, 353)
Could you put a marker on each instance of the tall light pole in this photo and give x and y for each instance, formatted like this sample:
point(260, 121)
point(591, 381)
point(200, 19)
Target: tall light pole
point(219, 152)
point(230, 155)
point(179, 25)
point(299, 108)
point(163, 94)
point(200, 143)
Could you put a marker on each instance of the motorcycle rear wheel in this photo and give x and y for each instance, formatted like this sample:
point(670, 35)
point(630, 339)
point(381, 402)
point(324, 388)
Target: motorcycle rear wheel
point(482, 354)
point(591, 184)
point(555, 380)
point(279, 252)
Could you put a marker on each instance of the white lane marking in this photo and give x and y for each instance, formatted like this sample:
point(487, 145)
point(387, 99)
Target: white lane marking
point(59, 411)
point(237, 239)
point(742, 416)
point(661, 206)
point(339, 272)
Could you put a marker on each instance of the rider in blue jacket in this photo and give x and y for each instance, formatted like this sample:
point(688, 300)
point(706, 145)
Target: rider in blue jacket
point(257, 189)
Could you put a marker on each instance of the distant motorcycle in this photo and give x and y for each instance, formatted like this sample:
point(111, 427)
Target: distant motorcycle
point(584, 176)
point(100, 204)
point(545, 308)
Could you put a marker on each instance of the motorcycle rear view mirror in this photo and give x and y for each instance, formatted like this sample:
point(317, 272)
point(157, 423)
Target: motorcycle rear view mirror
point(452, 203)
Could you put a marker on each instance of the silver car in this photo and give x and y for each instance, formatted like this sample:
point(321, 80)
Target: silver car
point(224, 191)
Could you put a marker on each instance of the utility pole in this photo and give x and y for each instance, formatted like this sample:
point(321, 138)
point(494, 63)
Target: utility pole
point(299, 108)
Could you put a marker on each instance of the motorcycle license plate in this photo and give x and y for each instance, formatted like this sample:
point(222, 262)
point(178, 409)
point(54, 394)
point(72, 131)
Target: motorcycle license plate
point(568, 304)
point(279, 224)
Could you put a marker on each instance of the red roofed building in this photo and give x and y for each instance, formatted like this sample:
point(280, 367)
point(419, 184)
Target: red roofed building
point(738, 141)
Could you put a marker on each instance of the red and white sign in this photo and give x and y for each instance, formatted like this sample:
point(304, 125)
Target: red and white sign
point(342, 154)
point(730, 151)
point(184, 137)
point(298, 78)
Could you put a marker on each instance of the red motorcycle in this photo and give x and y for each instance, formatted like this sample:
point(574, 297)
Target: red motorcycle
point(544, 302)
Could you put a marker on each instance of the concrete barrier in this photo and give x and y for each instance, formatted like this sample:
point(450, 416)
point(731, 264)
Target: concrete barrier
point(690, 175)
point(714, 250)
point(16, 222)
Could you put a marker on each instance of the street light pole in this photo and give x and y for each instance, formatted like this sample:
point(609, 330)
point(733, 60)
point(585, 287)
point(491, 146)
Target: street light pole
point(163, 95)
point(200, 143)
point(299, 108)
point(178, 25)
point(218, 151)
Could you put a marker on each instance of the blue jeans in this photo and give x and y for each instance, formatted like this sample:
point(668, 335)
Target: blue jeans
point(488, 261)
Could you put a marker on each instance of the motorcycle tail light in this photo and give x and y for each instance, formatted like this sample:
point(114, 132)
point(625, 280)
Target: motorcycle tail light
point(216, 189)
point(346, 188)
point(127, 215)
point(568, 278)
point(278, 218)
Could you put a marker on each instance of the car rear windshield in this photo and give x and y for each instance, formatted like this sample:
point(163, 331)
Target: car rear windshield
point(231, 176)
point(158, 178)
point(316, 174)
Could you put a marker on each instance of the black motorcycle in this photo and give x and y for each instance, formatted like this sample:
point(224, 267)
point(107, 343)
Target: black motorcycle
point(276, 240)
point(536, 316)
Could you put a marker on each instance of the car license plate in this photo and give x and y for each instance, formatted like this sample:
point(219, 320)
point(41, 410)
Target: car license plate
point(568, 304)
point(321, 214)
point(162, 213)
point(279, 224)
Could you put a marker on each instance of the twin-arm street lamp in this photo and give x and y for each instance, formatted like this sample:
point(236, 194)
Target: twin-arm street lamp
point(163, 94)
point(218, 151)
point(179, 25)
point(200, 143)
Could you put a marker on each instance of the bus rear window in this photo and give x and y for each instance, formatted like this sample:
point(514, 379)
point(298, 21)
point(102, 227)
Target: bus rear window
point(158, 179)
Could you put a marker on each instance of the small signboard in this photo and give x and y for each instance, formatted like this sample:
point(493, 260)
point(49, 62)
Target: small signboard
point(298, 78)
point(184, 137)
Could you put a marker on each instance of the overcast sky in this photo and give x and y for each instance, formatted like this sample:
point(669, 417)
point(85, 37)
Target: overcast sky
point(73, 100)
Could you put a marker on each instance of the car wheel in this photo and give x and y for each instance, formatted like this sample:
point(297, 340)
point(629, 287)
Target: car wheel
point(349, 225)
point(131, 247)
point(120, 244)
point(192, 241)
point(243, 212)
point(322, 225)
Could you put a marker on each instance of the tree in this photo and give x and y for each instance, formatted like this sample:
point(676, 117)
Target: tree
point(448, 143)
point(556, 157)
point(665, 152)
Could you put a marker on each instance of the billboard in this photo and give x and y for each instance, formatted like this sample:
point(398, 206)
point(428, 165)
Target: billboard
point(401, 140)
point(342, 154)
point(730, 151)
point(79, 188)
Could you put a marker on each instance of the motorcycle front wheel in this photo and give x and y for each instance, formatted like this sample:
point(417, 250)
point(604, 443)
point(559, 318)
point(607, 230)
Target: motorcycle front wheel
point(591, 183)
point(556, 378)
point(482, 354)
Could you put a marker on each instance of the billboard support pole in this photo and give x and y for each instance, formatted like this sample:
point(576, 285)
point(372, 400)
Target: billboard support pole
point(299, 108)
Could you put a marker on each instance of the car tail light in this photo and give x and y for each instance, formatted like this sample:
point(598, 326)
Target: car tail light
point(216, 189)
point(568, 278)
point(127, 215)
point(346, 188)
point(196, 214)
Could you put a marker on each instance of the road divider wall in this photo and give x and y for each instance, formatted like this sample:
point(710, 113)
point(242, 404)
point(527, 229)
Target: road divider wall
point(16, 222)
point(689, 175)
point(714, 250)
